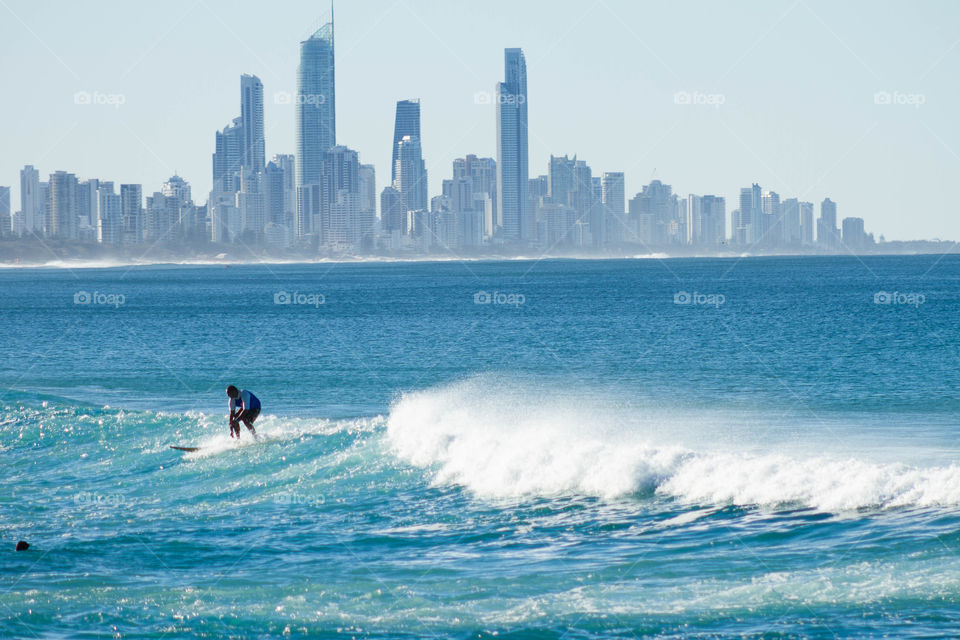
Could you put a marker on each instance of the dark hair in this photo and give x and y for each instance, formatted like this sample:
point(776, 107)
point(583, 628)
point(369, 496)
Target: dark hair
point(232, 391)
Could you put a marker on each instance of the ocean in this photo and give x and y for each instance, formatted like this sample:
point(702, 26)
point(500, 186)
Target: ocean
point(679, 448)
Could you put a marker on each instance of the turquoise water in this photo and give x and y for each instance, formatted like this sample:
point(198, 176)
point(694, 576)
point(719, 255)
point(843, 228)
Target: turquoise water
point(582, 457)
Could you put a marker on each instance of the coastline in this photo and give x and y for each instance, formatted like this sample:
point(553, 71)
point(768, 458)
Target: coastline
point(92, 256)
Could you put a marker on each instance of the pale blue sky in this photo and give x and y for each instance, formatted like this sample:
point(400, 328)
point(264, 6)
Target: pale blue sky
point(798, 81)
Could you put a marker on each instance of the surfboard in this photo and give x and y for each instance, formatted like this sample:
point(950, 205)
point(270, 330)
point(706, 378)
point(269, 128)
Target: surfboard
point(185, 448)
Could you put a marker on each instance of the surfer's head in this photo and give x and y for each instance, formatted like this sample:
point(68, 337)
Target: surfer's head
point(233, 392)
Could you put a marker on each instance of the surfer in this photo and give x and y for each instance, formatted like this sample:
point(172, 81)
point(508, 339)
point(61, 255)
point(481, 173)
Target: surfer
point(245, 408)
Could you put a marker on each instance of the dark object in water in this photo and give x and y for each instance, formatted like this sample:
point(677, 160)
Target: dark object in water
point(23, 545)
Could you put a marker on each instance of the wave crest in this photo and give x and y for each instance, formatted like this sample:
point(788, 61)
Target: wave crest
point(520, 443)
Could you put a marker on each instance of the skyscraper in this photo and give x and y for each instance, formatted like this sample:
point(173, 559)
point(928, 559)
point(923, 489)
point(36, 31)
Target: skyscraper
point(62, 222)
point(287, 162)
point(693, 219)
point(854, 236)
point(315, 106)
point(177, 187)
point(827, 235)
point(6, 220)
point(481, 175)
point(253, 156)
point(228, 157)
point(30, 221)
point(273, 186)
point(614, 199)
point(131, 210)
point(411, 172)
point(407, 123)
point(790, 215)
point(368, 203)
point(806, 223)
point(340, 198)
point(392, 214)
point(108, 215)
point(748, 230)
point(771, 229)
point(252, 204)
point(512, 150)
point(713, 220)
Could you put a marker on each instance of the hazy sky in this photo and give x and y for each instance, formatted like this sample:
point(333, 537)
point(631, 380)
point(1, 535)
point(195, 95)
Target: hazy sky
point(781, 93)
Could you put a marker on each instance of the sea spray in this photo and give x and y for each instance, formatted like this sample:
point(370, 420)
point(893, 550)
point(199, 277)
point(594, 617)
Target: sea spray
point(510, 442)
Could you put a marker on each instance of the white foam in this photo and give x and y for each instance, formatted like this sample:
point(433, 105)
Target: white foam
point(520, 442)
point(214, 437)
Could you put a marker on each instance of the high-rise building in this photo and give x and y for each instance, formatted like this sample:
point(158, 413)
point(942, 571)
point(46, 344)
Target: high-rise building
point(512, 149)
point(368, 204)
point(827, 235)
point(561, 186)
point(806, 223)
point(407, 123)
point(411, 172)
point(748, 228)
point(252, 205)
point(131, 211)
point(62, 210)
point(340, 198)
point(481, 173)
point(31, 218)
point(228, 158)
point(392, 212)
point(287, 162)
point(274, 188)
point(6, 220)
point(790, 222)
point(771, 227)
point(693, 218)
point(653, 211)
point(570, 193)
point(613, 196)
point(178, 188)
point(252, 156)
point(315, 105)
point(855, 238)
point(87, 208)
point(162, 216)
point(713, 220)
point(108, 215)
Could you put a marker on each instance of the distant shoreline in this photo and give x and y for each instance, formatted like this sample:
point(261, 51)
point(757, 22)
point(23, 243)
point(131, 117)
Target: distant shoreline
point(106, 260)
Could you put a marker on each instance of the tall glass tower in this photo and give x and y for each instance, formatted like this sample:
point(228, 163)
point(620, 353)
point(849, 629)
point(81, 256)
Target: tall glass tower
point(316, 113)
point(512, 163)
point(251, 119)
point(407, 123)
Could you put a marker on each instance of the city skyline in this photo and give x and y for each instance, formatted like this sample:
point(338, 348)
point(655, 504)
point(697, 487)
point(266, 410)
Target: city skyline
point(543, 91)
point(263, 205)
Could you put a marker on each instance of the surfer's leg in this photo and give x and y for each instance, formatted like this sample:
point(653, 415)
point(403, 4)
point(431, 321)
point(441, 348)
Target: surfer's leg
point(249, 417)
